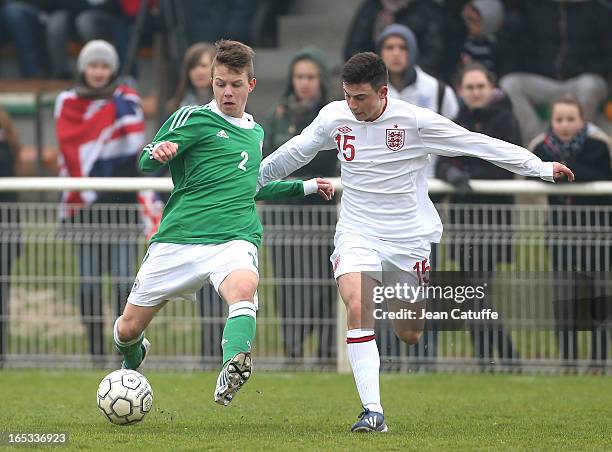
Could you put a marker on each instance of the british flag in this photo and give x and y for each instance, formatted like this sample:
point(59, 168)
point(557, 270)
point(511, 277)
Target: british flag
point(97, 137)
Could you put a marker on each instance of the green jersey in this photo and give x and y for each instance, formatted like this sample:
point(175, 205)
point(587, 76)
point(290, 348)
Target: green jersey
point(215, 175)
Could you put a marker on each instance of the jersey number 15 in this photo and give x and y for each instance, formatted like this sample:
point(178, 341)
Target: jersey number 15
point(347, 149)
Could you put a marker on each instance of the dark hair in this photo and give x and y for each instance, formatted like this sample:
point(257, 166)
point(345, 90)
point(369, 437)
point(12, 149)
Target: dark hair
point(475, 66)
point(568, 99)
point(190, 60)
point(235, 55)
point(365, 67)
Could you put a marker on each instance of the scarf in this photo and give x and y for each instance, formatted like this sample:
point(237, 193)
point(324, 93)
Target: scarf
point(565, 151)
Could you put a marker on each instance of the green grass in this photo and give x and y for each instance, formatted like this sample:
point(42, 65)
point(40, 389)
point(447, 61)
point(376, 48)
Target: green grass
point(310, 411)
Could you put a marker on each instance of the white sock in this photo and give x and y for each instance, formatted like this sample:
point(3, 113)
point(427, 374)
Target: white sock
point(365, 362)
point(119, 341)
point(242, 308)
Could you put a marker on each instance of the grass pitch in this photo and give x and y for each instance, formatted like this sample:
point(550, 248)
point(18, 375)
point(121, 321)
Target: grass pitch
point(314, 411)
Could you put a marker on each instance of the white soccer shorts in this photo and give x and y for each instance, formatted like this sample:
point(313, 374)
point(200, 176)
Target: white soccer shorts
point(172, 272)
point(388, 262)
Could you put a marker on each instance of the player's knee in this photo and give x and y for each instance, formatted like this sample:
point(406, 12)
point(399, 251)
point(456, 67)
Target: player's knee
point(244, 290)
point(128, 329)
point(410, 337)
point(353, 304)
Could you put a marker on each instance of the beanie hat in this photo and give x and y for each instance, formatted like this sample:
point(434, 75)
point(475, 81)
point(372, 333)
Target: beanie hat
point(407, 35)
point(98, 50)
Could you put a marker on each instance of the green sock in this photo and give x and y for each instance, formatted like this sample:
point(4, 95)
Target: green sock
point(239, 330)
point(131, 351)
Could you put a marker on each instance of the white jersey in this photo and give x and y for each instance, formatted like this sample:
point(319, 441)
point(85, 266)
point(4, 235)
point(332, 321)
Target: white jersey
point(382, 165)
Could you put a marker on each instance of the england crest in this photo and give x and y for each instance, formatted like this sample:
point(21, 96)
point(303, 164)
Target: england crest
point(395, 139)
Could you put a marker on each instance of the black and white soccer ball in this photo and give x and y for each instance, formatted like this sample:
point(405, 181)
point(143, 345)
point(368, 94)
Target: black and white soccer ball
point(124, 397)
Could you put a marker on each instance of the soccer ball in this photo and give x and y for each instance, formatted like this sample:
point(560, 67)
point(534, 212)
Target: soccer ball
point(124, 397)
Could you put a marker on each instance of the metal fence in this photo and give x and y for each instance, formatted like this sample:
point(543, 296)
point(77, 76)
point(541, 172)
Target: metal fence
point(62, 284)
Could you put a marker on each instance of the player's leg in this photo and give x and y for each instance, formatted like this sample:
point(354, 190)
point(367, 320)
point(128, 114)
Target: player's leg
point(407, 264)
point(166, 273)
point(235, 276)
point(238, 290)
point(355, 291)
point(408, 330)
point(357, 269)
point(128, 333)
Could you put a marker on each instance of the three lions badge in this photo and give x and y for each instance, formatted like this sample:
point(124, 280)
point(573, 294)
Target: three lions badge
point(395, 139)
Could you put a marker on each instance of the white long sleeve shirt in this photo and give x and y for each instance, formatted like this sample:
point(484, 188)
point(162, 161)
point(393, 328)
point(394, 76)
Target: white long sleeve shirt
point(383, 161)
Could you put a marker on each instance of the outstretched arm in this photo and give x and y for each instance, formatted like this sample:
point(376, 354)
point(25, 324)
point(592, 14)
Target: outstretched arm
point(443, 137)
point(296, 152)
point(276, 190)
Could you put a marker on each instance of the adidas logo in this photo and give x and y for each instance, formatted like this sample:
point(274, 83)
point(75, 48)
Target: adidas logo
point(222, 134)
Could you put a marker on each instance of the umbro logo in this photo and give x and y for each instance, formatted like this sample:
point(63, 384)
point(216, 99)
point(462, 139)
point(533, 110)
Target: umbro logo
point(136, 285)
point(222, 134)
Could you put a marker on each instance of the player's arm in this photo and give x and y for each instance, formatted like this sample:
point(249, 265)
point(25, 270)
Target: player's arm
point(296, 152)
point(173, 138)
point(441, 136)
point(277, 190)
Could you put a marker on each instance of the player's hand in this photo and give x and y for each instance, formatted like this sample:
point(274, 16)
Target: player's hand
point(325, 188)
point(560, 170)
point(165, 151)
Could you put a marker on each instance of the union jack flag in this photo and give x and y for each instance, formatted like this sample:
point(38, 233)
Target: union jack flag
point(99, 138)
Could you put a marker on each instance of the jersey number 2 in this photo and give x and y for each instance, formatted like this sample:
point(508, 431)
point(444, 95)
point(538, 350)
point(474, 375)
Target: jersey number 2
point(245, 158)
point(348, 149)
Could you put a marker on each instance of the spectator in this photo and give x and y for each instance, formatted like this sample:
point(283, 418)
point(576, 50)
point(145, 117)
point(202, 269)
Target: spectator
point(484, 109)
point(105, 237)
point(423, 17)
point(195, 84)
point(305, 309)
point(9, 224)
point(399, 50)
point(586, 150)
point(483, 20)
point(39, 30)
point(564, 46)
